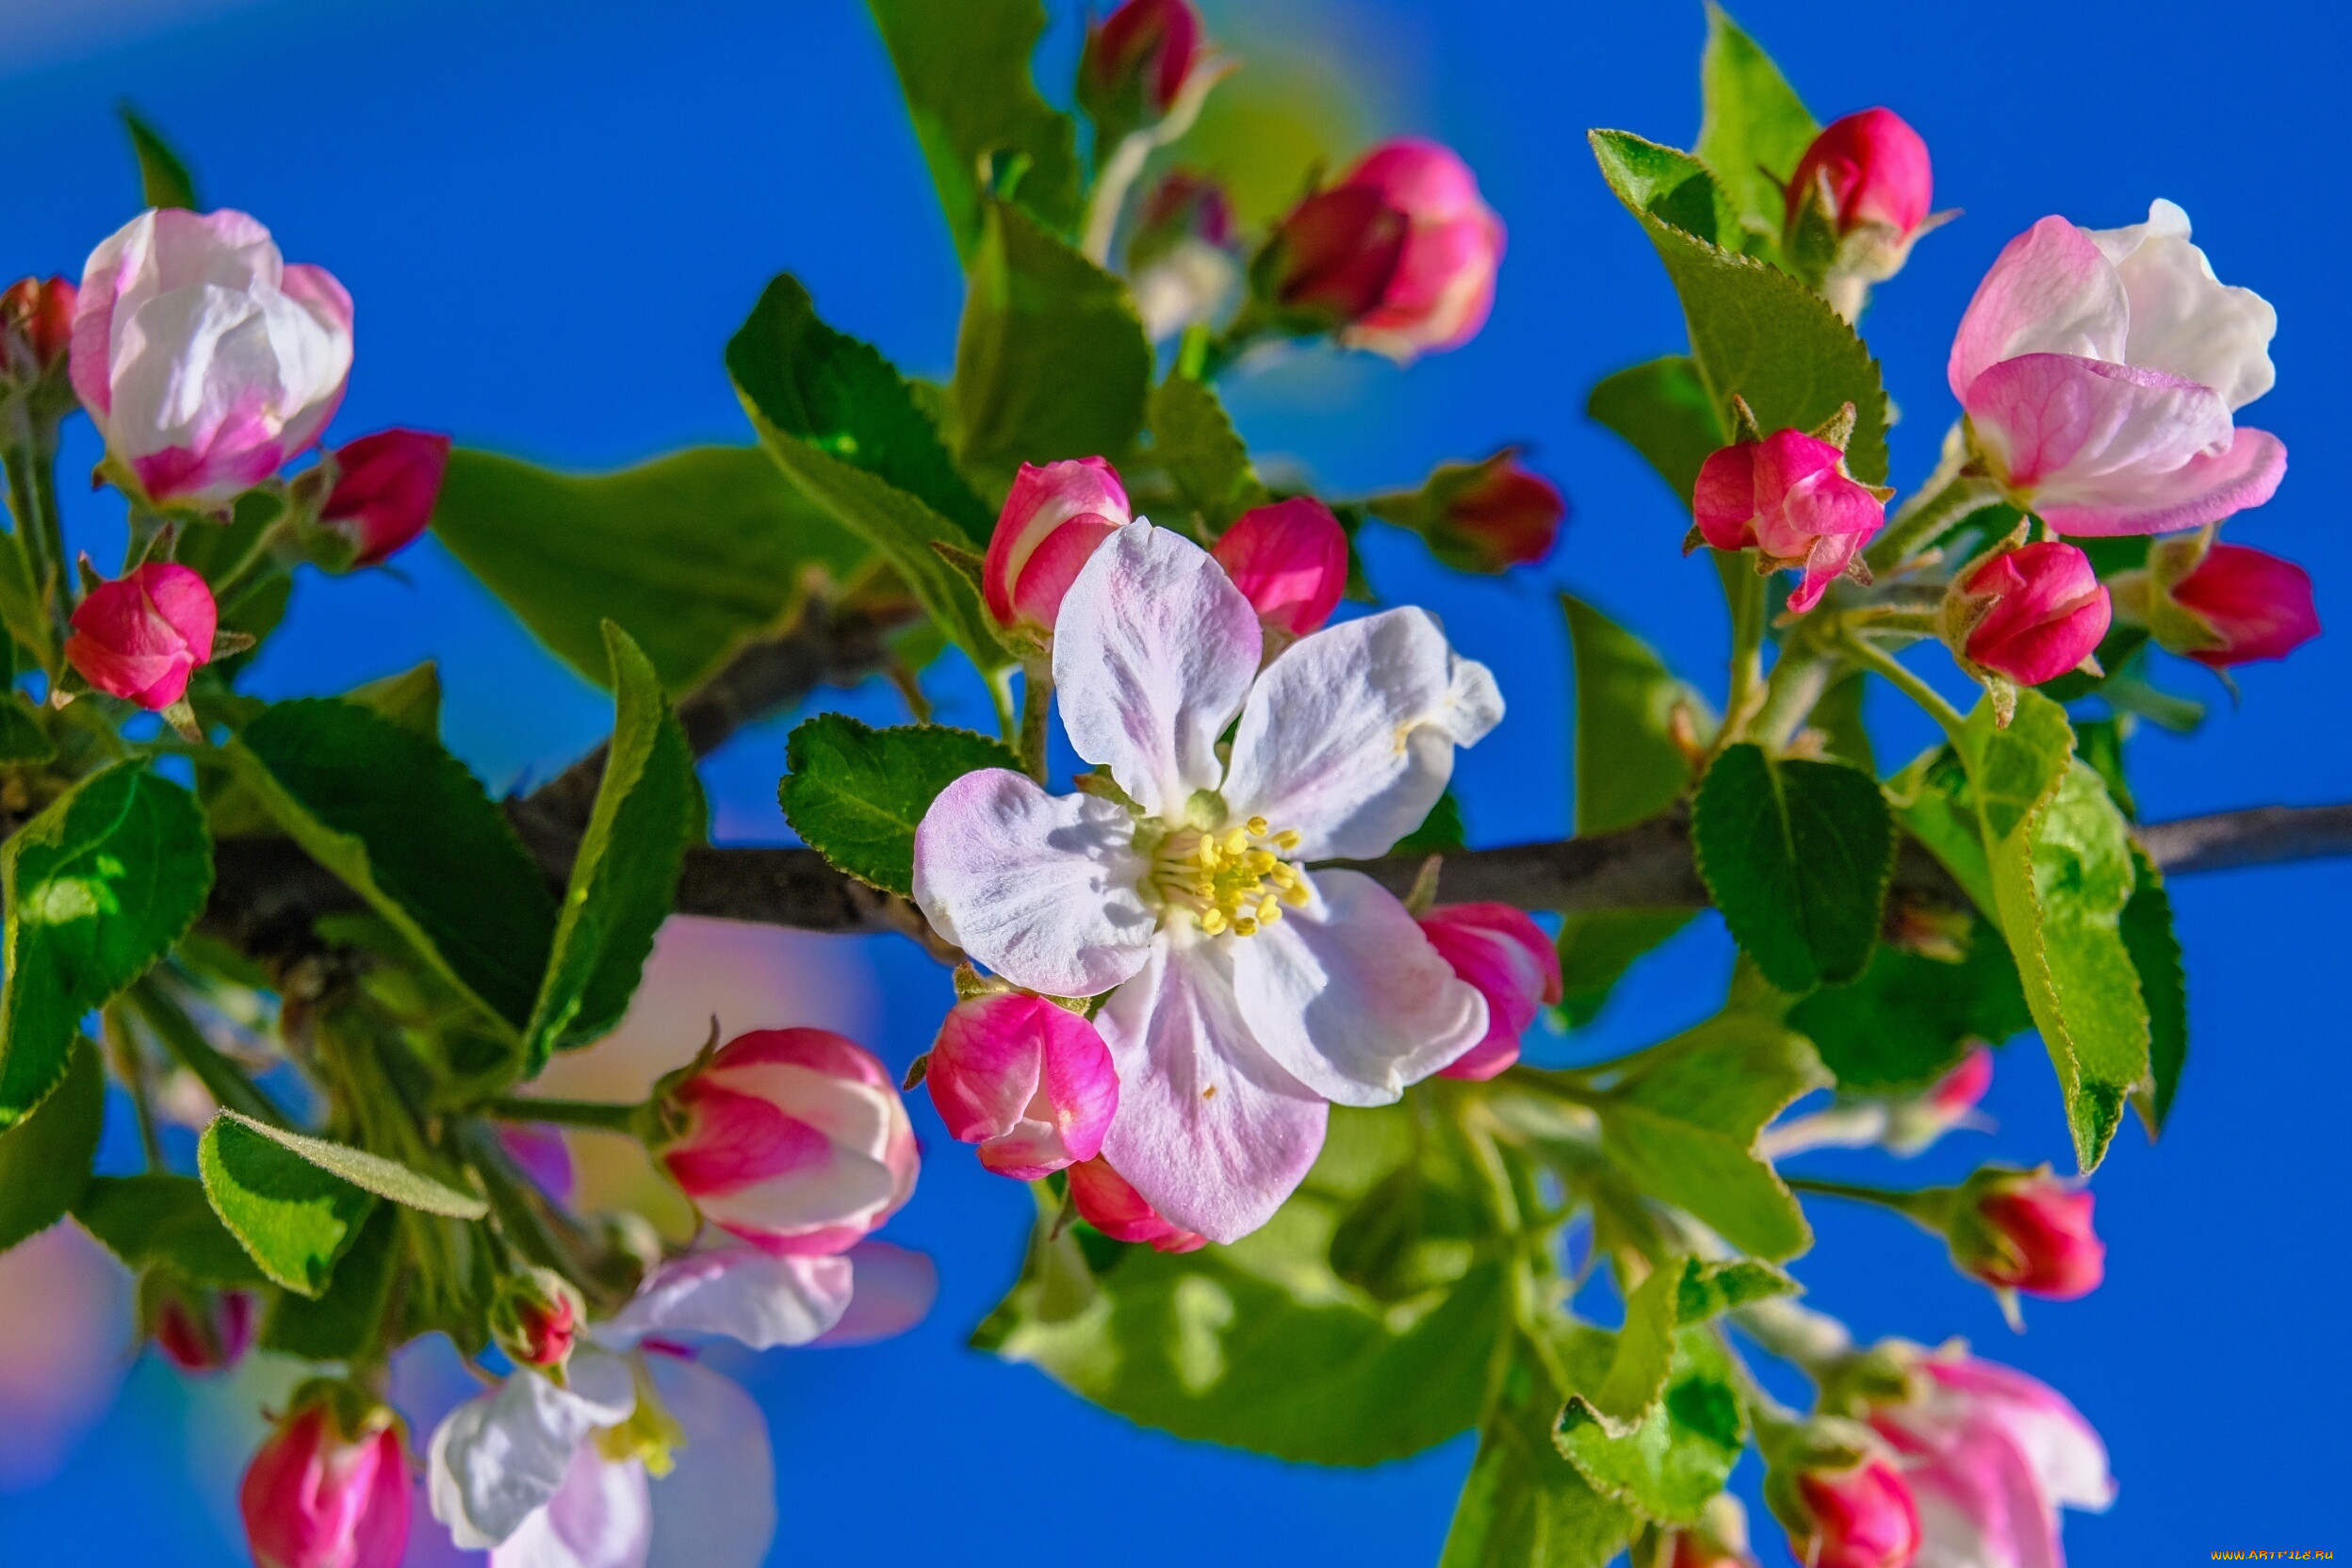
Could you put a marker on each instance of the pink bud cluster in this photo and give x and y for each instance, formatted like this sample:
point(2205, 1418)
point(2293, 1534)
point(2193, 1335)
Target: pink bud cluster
point(1789, 498)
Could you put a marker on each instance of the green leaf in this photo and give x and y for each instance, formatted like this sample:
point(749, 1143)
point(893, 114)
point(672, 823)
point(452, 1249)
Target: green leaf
point(1629, 1392)
point(45, 1158)
point(366, 1171)
point(845, 429)
point(1526, 1506)
point(347, 1318)
point(1664, 412)
point(964, 65)
point(1441, 832)
point(1910, 1019)
point(1051, 361)
point(1597, 949)
point(1682, 1123)
point(1935, 803)
point(1838, 717)
point(1194, 440)
point(695, 554)
point(2099, 743)
point(293, 1216)
point(1405, 1236)
point(406, 827)
point(1260, 1346)
point(164, 1219)
point(1681, 1452)
point(163, 178)
point(1707, 1290)
point(22, 737)
point(1754, 331)
point(2148, 936)
point(2062, 872)
point(1752, 130)
point(648, 809)
point(1797, 854)
point(99, 886)
point(1627, 765)
point(21, 610)
point(411, 699)
point(856, 794)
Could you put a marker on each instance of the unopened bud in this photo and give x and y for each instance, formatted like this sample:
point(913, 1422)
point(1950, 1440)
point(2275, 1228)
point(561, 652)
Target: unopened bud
point(1506, 959)
point(2027, 1230)
point(1290, 561)
point(2032, 613)
point(384, 488)
point(1790, 497)
point(2221, 605)
point(1858, 199)
point(1134, 65)
point(1105, 1200)
point(536, 1317)
point(198, 1328)
point(1027, 1079)
point(141, 636)
point(1051, 522)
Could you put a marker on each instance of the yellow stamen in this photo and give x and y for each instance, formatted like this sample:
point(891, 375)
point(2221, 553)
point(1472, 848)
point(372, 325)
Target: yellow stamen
point(1234, 881)
point(1286, 839)
point(1245, 926)
point(1258, 827)
point(1213, 921)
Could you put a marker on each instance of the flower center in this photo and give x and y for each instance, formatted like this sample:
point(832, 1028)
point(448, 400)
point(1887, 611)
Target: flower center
point(1231, 879)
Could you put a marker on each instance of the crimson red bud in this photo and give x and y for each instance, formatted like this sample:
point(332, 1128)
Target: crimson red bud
point(1290, 561)
point(1873, 168)
point(1789, 497)
point(2027, 1230)
point(141, 636)
point(324, 1493)
point(41, 316)
point(2258, 605)
point(384, 488)
point(2038, 612)
point(1053, 519)
point(1136, 62)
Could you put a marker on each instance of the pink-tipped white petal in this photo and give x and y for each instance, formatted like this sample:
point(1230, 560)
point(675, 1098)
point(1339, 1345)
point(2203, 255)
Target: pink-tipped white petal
point(717, 1508)
point(739, 1291)
point(2050, 292)
point(1039, 888)
point(2066, 1450)
point(601, 1517)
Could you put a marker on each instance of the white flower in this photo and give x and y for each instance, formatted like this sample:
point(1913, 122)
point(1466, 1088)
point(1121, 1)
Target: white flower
point(1248, 994)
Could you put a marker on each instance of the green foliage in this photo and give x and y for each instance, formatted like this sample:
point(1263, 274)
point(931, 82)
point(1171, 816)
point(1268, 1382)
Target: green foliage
point(344, 1322)
point(2061, 864)
point(694, 554)
point(846, 431)
point(368, 1173)
point(1681, 1123)
point(1260, 1345)
point(1051, 361)
point(1935, 803)
point(1621, 1396)
point(406, 827)
point(1680, 1452)
point(1597, 948)
point(165, 1221)
point(1193, 439)
point(21, 610)
point(411, 699)
point(45, 1158)
point(22, 737)
point(99, 886)
point(1752, 130)
point(1754, 331)
point(293, 1216)
point(648, 809)
point(2148, 936)
point(1525, 1504)
point(856, 794)
point(163, 177)
point(1706, 1290)
point(1910, 1019)
point(1441, 832)
point(964, 65)
point(1664, 411)
point(1797, 854)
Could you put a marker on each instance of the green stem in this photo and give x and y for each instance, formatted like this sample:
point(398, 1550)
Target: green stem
point(1929, 1207)
point(51, 523)
point(1920, 523)
point(1800, 677)
point(1743, 592)
point(260, 563)
point(1916, 690)
point(1111, 184)
point(222, 1078)
point(565, 1113)
point(1037, 706)
point(131, 1066)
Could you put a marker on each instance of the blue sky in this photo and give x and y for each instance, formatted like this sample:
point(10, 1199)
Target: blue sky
point(551, 218)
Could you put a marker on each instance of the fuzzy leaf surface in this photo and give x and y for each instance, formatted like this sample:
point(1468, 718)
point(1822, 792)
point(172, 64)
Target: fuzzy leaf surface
point(45, 1159)
point(1797, 854)
point(856, 794)
point(293, 1216)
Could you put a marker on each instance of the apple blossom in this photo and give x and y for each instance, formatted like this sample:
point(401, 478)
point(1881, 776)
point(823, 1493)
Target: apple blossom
point(2221, 605)
point(1861, 193)
point(1290, 561)
point(206, 361)
point(1990, 1455)
point(1902, 1124)
point(1026, 1079)
point(140, 637)
point(329, 1486)
point(2031, 613)
point(536, 1318)
point(1134, 64)
point(1790, 497)
point(1105, 1200)
point(1051, 522)
point(2027, 1230)
point(793, 1139)
point(1398, 257)
point(1246, 994)
point(2100, 370)
point(1181, 263)
point(1859, 1516)
point(1512, 963)
point(384, 488)
point(197, 1328)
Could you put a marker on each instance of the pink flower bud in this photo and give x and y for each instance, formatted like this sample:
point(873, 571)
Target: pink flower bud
point(205, 361)
point(141, 636)
point(2035, 612)
point(1290, 561)
point(1788, 496)
point(793, 1139)
point(1958, 1091)
point(1181, 263)
point(384, 488)
point(1106, 1203)
point(1399, 255)
point(41, 316)
point(1135, 63)
point(1502, 514)
point(2259, 606)
point(198, 1328)
point(1862, 1517)
point(320, 1494)
point(1051, 522)
point(537, 1316)
point(2026, 1231)
point(1028, 1080)
point(1872, 167)
point(1509, 960)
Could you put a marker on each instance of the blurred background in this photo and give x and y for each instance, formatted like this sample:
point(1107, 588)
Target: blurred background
point(552, 216)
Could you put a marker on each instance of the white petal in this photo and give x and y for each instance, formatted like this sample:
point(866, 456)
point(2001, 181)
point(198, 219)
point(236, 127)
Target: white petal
point(894, 1289)
point(1039, 888)
point(1349, 996)
point(739, 1291)
point(496, 1459)
point(1210, 1128)
point(2185, 321)
point(717, 1508)
point(1348, 738)
point(602, 1517)
point(1153, 654)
